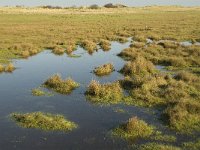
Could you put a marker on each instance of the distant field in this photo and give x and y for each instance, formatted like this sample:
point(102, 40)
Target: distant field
point(36, 28)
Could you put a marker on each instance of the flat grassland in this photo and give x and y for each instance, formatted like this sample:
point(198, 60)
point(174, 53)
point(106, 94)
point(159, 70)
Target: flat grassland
point(27, 31)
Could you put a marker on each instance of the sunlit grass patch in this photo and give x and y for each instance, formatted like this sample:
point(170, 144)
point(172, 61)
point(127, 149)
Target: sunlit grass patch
point(105, 45)
point(9, 68)
point(138, 44)
point(58, 50)
point(157, 146)
point(134, 129)
point(57, 84)
point(109, 93)
point(43, 121)
point(105, 69)
point(140, 66)
point(1, 68)
point(90, 46)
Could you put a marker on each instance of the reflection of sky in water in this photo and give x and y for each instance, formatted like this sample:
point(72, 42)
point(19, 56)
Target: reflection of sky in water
point(102, 2)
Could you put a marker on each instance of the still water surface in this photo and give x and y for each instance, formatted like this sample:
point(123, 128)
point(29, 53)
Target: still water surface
point(94, 122)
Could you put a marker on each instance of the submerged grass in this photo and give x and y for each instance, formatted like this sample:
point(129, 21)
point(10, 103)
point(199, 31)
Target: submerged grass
point(43, 121)
point(105, 69)
point(57, 84)
point(109, 93)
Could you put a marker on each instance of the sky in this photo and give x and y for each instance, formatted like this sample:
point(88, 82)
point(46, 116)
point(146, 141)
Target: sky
point(99, 2)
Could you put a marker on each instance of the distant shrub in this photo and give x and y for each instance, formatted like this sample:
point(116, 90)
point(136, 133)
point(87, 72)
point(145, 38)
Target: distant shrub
point(94, 6)
point(110, 5)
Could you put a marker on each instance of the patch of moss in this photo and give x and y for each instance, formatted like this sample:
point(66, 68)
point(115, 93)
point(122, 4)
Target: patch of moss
point(134, 129)
point(105, 69)
point(109, 93)
point(57, 84)
point(43, 121)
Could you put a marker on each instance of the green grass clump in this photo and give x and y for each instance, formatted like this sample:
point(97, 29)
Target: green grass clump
point(187, 77)
point(57, 84)
point(134, 129)
point(105, 45)
point(110, 93)
point(184, 116)
point(105, 69)
point(195, 145)
point(156, 146)
point(38, 92)
point(140, 66)
point(43, 121)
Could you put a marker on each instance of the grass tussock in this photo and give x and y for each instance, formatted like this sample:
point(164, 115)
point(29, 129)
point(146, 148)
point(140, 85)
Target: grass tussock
point(157, 146)
point(43, 121)
point(110, 93)
point(58, 50)
point(105, 45)
point(138, 44)
point(184, 116)
point(90, 46)
point(134, 129)
point(9, 68)
point(38, 92)
point(1, 68)
point(57, 84)
point(140, 66)
point(105, 69)
point(194, 145)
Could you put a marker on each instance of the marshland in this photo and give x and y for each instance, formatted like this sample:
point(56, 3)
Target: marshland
point(100, 78)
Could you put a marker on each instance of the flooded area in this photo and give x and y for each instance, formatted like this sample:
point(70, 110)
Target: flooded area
point(95, 121)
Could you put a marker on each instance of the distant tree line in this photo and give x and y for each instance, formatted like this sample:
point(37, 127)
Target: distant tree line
point(94, 6)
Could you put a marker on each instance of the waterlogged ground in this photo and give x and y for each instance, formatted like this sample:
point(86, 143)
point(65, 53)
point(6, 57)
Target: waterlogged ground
point(95, 122)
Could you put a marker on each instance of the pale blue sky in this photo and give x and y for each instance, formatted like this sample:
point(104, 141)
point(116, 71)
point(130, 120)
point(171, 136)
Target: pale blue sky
point(99, 2)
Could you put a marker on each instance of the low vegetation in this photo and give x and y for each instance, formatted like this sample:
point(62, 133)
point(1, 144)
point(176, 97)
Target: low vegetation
point(7, 68)
point(134, 129)
point(105, 69)
point(38, 92)
point(194, 145)
point(57, 84)
point(90, 46)
point(105, 45)
point(157, 146)
point(109, 93)
point(43, 121)
point(139, 66)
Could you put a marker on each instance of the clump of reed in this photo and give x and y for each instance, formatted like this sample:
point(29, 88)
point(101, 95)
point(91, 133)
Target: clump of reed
point(134, 129)
point(43, 121)
point(140, 66)
point(105, 69)
point(105, 45)
point(109, 93)
point(57, 84)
